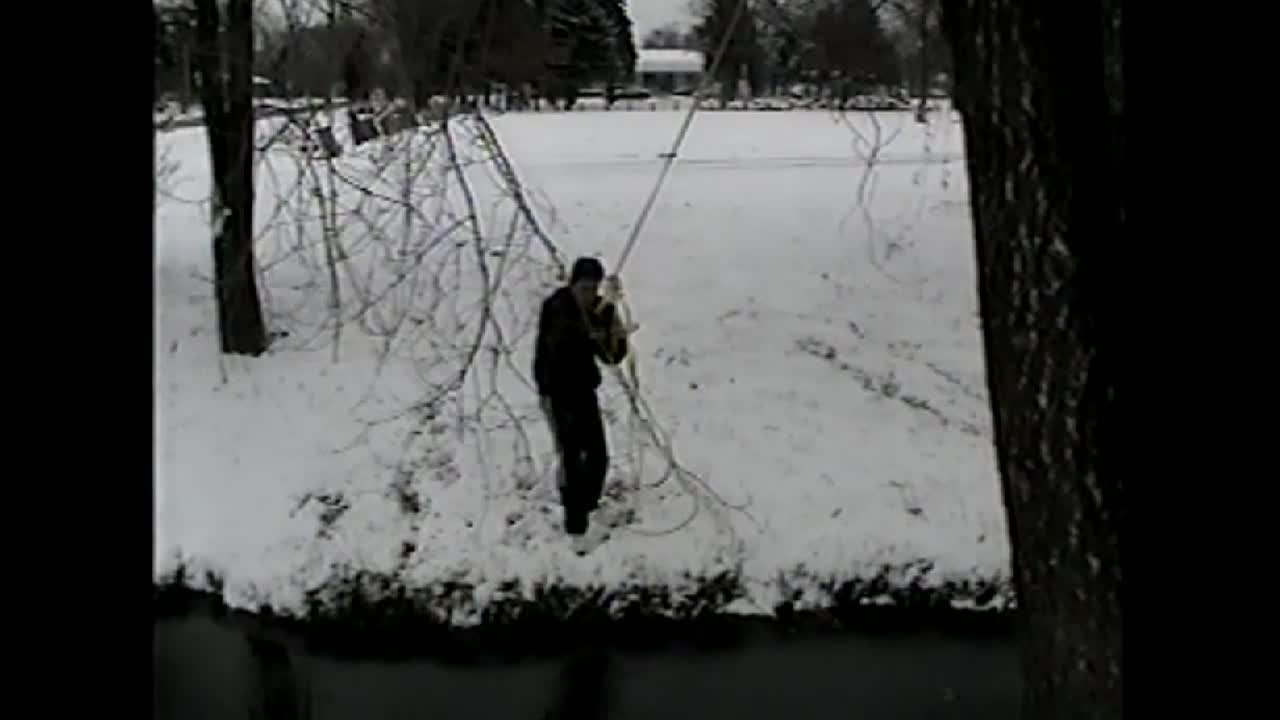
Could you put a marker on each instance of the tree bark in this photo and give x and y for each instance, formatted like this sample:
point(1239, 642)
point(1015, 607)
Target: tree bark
point(1039, 87)
point(225, 57)
point(922, 110)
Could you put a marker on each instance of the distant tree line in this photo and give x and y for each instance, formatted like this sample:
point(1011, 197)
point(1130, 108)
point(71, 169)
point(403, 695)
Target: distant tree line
point(420, 49)
point(843, 46)
point(554, 48)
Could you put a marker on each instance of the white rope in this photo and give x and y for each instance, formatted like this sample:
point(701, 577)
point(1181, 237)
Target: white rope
point(669, 158)
point(627, 374)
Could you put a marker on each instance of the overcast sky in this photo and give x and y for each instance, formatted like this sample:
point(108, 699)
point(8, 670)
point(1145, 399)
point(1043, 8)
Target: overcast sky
point(649, 14)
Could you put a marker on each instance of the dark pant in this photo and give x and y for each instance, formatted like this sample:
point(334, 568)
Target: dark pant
point(584, 459)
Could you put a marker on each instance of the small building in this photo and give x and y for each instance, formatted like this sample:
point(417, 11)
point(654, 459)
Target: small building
point(669, 71)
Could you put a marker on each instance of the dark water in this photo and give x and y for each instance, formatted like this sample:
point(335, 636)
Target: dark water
point(209, 665)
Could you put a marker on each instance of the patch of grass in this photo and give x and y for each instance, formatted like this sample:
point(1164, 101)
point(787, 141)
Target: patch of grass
point(360, 613)
point(896, 599)
point(174, 592)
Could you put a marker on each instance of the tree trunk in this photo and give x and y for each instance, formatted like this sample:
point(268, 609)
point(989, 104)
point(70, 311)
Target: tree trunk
point(1039, 86)
point(922, 109)
point(226, 91)
point(187, 95)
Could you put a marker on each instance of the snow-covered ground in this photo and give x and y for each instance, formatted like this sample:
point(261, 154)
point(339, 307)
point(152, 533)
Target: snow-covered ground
point(808, 336)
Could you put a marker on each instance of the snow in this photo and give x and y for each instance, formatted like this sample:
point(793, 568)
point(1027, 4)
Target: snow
point(808, 335)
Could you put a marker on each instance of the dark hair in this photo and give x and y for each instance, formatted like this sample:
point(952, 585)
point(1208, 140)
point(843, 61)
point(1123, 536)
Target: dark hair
point(586, 268)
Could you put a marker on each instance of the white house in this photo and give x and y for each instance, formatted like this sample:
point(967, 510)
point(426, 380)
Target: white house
point(669, 70)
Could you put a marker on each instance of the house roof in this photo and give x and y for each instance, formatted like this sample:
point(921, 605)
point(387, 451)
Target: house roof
point(652, 60)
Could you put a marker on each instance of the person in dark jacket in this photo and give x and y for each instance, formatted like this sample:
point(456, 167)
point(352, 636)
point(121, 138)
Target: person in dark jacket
point(575, 329)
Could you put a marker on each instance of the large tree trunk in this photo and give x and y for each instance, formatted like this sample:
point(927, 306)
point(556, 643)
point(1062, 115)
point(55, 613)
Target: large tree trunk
point(225, 58)
point(1039, 88)
point(922, 27)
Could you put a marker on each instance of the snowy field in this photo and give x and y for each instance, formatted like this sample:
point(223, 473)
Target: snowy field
point(808, 338)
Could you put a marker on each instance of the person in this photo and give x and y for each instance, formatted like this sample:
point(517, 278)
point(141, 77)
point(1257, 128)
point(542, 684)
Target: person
point(577, 327)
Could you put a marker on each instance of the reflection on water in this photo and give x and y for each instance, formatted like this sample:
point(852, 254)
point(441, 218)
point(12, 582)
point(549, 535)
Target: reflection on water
point(277, 690)
point(214, 667)
point(584, 689)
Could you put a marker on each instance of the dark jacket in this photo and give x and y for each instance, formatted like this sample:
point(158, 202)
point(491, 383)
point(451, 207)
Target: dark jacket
point(564, 356)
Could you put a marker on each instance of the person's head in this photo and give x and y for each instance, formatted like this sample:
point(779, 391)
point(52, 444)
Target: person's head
point(585, 279)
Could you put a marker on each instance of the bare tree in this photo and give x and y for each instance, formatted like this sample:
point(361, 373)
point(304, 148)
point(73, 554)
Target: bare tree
point(743, 58)
point(841, 44)
point(1040, 89)
point(174, 38)
point(517, 51)
point(851, 47)
point(224, 49)
point(920, 43)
